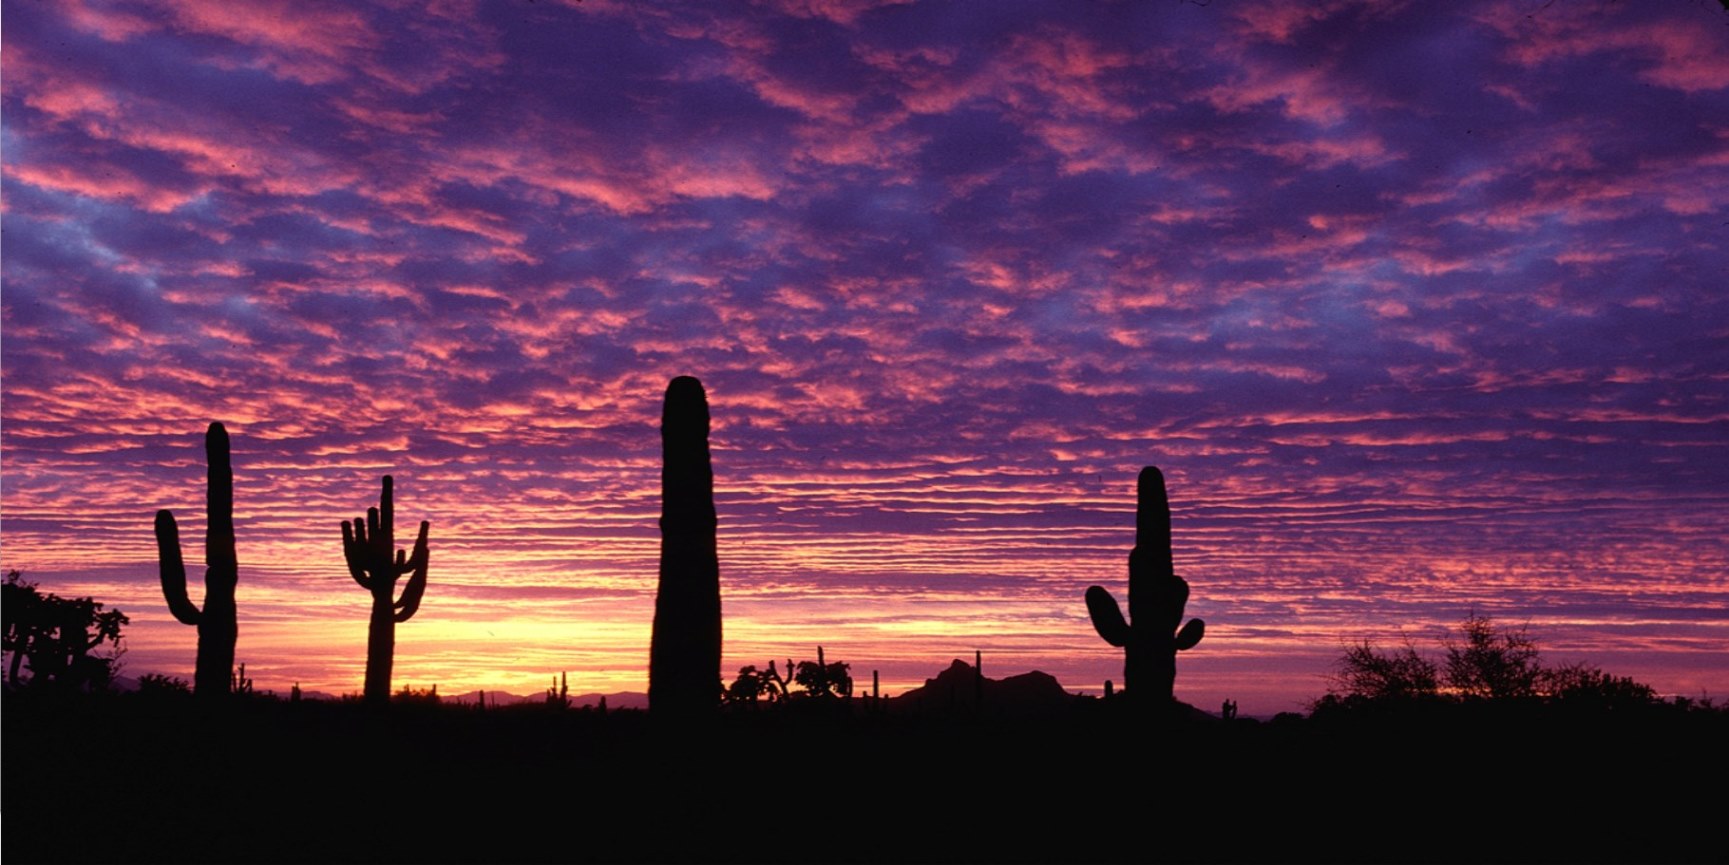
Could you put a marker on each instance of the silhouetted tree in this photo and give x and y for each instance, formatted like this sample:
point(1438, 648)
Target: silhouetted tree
point(20, 607)
point(54, 637)
point(748, 687)
point(217, 622)
point(1492, 663)
point(1367, 673)
point(368, 546)
point(1484, 662)
point(1585, 684)
point(1156, 600)
point(823, 679)
point(684, 653)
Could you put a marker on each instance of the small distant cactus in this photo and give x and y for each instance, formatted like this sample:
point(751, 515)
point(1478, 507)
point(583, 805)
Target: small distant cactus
point(778, 686)
point(1156, 600)
point(368, 545)
point(684, 651)
point(217, 622)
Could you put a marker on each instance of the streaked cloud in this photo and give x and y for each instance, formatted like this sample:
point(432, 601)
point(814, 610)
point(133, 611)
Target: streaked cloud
point(1418, 305)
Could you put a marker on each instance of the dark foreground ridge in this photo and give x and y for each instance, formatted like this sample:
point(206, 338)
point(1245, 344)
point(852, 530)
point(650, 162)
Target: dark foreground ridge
point(136, 778)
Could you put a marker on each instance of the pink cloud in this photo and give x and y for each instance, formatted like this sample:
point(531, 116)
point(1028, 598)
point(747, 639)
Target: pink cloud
point(1681, 55)
point(308, 42)
point(1070, 76)
point(1363, 150)
point(101, 182)
point(839, 11)
point(106, 20)
point(1281, 22)
point(1304, 94)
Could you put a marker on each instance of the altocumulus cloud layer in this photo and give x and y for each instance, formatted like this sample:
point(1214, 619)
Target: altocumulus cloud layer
point(1420, 305)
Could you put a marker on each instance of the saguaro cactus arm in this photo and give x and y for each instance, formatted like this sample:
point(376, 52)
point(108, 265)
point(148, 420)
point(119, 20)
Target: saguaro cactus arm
point(354, 552)
point(1191, 634)
point(1107, 616)
point(174, 569)
point(415, 566)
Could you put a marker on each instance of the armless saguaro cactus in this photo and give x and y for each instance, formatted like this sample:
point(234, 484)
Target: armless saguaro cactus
point(369, 545)
point(216, 622)
point(684, 656)
point(1156, 600)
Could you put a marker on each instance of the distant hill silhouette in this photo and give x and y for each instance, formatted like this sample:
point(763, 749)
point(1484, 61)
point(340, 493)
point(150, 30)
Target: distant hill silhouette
point(1025, 694)
point(614, 700)
point(954, 689)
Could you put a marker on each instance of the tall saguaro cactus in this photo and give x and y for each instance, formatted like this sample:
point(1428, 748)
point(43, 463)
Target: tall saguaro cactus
point(1156, 600)
point(216, 623)
point(684, 656)
point(369, 545)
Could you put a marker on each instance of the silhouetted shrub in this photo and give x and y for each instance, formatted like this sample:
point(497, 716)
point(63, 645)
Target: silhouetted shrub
point(157, 684)
point(418, 696)
point(749, 687)
point(823, 679)
point(1367, 673)
point(54, 637)
point(1484, 663)
point(1586, 684)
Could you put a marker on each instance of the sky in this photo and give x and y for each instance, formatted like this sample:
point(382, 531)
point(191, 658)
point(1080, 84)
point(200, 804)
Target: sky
point(1420, 307)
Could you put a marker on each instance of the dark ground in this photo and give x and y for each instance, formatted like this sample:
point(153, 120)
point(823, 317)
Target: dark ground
point(164, 779)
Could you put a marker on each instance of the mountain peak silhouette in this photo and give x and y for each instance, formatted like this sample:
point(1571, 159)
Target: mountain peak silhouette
point(956, 689)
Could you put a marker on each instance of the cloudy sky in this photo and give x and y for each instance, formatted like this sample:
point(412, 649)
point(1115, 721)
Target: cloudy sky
point(1421, 307)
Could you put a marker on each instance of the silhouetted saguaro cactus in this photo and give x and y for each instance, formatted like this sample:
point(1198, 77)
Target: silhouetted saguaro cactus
point(216, 623)
point(1156, 600)
point(684, 656)
point(369, 545)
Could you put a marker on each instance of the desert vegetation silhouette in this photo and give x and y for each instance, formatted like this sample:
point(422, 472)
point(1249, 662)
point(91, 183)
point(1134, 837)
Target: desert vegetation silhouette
point(1002, 746)
point(217, 622)
point(57, 639)
point(821, 679)
point(1482, 663)
point(369, 546)
point(1149, 637)
point(684, 653)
